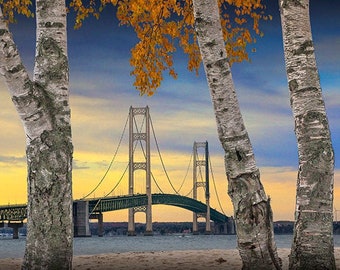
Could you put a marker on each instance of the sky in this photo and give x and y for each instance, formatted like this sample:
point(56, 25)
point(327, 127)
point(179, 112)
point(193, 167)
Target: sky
point(101, 92)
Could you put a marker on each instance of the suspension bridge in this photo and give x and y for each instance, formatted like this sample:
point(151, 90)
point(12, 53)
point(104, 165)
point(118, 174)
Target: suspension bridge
point(88, 208)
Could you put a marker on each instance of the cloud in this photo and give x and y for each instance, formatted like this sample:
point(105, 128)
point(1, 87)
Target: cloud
point(13, 160)
point(332, 98)
point(327, 51)
point(78, 165)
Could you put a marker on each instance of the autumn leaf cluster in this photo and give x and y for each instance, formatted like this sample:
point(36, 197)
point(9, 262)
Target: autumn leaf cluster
point(11, 7)
point(163, 26)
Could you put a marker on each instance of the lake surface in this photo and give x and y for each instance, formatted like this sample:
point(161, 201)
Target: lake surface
point(14, 248)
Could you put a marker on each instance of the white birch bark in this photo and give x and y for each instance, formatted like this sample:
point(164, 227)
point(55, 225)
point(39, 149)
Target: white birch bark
point(42, 104)
point(313, 235)
point(252, 211)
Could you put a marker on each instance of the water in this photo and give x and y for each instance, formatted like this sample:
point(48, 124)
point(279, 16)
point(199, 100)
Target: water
point(11, 248)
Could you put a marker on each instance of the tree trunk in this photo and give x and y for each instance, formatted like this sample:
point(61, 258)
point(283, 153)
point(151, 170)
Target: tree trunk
point(313, 235)
point(252, 211)
point(42, 104)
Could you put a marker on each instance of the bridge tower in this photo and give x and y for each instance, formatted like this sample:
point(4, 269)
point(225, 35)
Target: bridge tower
point(140, 136)
point(203, 162)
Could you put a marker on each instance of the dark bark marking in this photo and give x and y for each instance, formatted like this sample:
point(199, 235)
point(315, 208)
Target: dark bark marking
point(34, 117)
point(3, 31)
point(238, 154)
point(293, 85)
point(220, 100)
point(305, 122)
point(290, 70)
point(211, 44)
point(198, 20)
point(21, 101)
point(26, 100)
point(54, 25)
point(16, 69)
point(312, 91)
point(271, 248)
point(305, 48)
point(226, 72)
point(222, 64)
point(49, 47)
point(295, 3)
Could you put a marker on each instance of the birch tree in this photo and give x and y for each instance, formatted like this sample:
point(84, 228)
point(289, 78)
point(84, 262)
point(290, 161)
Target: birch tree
point(252, 211)
point(43, 107)
point(313, 235)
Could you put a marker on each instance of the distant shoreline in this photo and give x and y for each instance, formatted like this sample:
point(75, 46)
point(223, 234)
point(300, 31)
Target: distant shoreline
point(120, 228)
point(281, 227)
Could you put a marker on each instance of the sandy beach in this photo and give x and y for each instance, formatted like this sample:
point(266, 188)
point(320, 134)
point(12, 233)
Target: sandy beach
point(161, 260)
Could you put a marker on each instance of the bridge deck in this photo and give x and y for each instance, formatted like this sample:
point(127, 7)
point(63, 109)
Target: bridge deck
point(19, 212)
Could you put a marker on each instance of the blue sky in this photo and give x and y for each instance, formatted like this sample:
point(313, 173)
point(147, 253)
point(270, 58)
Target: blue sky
point(102, 91)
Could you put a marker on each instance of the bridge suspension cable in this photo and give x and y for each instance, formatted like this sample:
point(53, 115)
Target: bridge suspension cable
point(112, 160)
point(142, 148)
point(161, 159)
point(162, 163)
point(186, 174)
point(187, 195)
point(120, 180)
point(126, 168)
point(163, 166)
point(201, 177)
point(153, 178)
point(160, 156)
point(213, 178)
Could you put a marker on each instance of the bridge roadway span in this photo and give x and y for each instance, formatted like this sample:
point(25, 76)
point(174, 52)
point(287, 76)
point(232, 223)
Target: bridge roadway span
point(18, 212)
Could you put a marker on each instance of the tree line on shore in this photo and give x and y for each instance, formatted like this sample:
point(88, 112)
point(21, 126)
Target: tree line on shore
point(165, 228)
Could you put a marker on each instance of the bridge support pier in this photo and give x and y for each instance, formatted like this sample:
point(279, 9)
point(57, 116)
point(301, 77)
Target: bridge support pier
point(194, 224)
point(99, 217)
point(81, 219)
point(231, 226)
point(15, 226)
point(131, 233)
point(221, 228)
point(100, 225)
point(2, 224)
point(207, 217)
point(131, 223)
point(148, 229)
point(225, 227)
